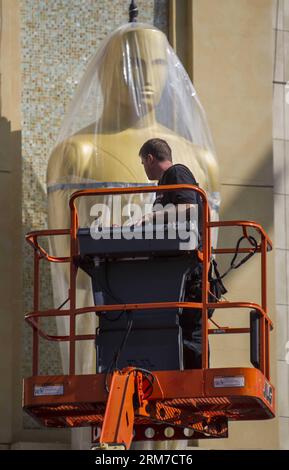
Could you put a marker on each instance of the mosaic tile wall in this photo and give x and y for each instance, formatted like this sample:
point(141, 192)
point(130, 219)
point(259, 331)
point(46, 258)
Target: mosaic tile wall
point(58, 39)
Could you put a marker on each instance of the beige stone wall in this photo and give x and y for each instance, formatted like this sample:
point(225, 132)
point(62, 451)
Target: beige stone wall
point(233, 61)
point(281, 205)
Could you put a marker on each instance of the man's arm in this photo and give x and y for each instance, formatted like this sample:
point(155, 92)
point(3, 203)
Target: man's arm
point(183, 199)
point(171, 211)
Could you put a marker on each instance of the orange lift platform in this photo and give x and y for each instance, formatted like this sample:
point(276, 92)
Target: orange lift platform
point(133, 403)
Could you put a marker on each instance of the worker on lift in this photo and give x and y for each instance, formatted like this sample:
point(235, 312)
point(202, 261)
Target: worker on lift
point(156, 157)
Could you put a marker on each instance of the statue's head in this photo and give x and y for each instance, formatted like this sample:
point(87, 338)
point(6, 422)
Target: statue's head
point(133, 68)
point(136, 71)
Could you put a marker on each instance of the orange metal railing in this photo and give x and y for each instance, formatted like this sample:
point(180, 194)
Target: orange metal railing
point(40, 254)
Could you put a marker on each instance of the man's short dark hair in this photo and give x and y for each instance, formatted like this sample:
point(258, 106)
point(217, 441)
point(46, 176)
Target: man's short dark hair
point(158, 148)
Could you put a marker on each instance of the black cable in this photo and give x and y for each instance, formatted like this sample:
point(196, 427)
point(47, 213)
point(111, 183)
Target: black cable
point(107, 290)
point(114, 363)
point(62, 305)
point(123, 343)
point(147, 374)
point(144, 371)
point(246, 258)
point(197, 283)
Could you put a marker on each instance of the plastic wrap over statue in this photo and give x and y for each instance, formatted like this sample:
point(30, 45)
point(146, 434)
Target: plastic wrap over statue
point(134, 89)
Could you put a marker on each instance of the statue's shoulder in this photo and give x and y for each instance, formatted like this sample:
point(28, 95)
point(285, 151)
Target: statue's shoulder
point(175, 139)
point(73, 147)
point(69, 155)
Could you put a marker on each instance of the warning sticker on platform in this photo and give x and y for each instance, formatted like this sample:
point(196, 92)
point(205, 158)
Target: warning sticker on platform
point(47, 390)
point(238, 381)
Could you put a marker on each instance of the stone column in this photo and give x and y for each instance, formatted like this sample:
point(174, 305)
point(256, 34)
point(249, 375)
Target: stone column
point(281, 207)
point(10, 220)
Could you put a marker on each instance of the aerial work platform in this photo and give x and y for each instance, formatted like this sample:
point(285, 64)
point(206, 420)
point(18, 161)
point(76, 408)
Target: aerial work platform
point(140, 390)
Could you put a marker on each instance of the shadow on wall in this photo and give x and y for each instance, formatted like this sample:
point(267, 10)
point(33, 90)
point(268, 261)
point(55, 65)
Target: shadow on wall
point(18, 221)
point(34, 217)
point(247, 201)
point(11, 265)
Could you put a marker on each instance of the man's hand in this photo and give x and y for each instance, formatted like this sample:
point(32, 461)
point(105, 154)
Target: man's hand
point(146, 219)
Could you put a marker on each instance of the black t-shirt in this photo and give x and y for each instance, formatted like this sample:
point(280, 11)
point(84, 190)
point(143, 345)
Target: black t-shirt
point(180, 174)
point(177, 174)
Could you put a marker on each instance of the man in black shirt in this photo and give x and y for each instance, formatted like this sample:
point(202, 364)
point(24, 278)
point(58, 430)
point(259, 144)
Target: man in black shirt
point(156, 156)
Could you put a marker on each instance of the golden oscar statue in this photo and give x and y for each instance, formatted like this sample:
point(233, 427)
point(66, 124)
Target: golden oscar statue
point(135, 89)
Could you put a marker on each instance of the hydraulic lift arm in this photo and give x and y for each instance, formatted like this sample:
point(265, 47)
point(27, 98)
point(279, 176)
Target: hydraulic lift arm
point(126, 398)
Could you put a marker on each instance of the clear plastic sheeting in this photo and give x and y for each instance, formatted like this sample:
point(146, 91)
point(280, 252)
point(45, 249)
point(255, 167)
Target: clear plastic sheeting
point(135, 88)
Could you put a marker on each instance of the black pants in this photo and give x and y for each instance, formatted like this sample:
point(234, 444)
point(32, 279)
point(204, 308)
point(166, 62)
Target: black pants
point(191, 323)
point(192, 348)
point(191, 320)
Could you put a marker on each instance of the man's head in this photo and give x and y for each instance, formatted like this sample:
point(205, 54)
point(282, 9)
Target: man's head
point(156, 157)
